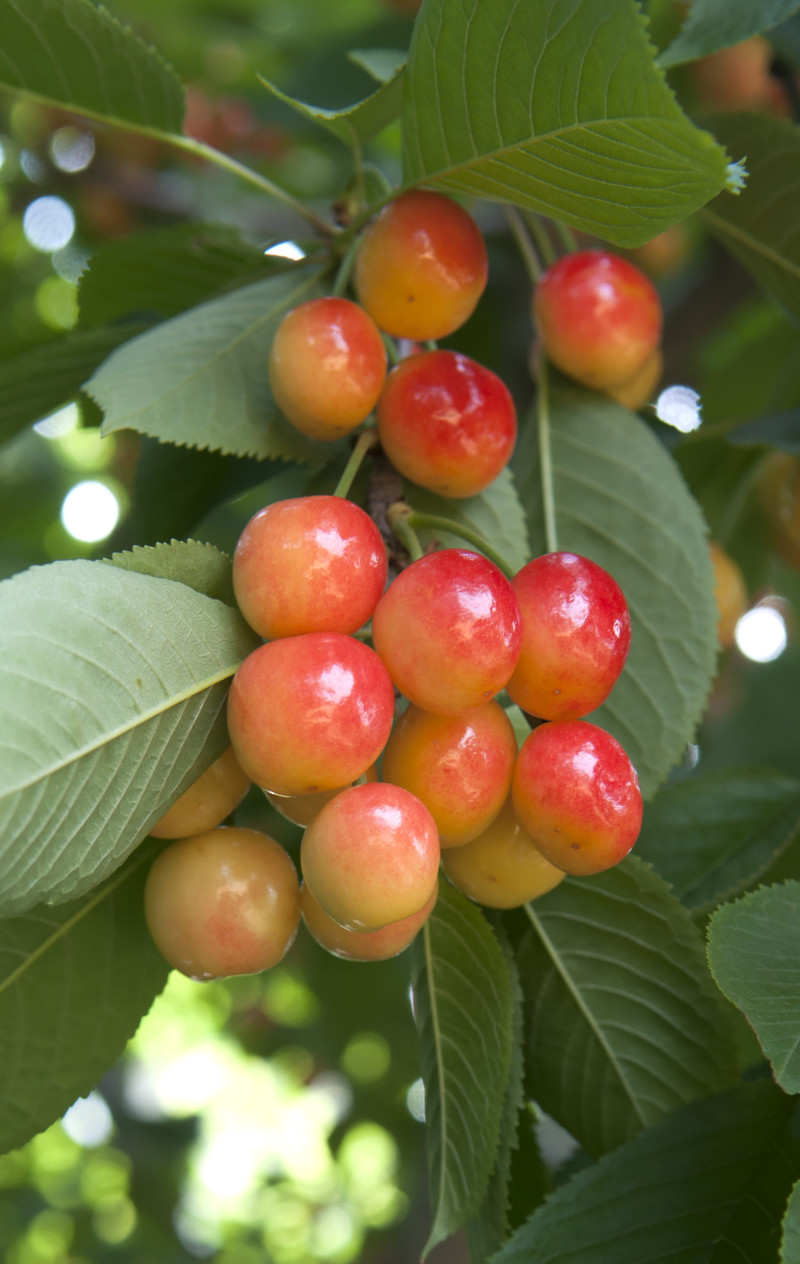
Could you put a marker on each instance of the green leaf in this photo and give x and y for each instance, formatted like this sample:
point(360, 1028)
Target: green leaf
point(714, 24)
point(624, 1021)
point(202, 567)
point(714, 834)
point(790, 1246)
point(706, 1186)
point(496, 514)
point(463, 1005)
point(754, 953)
point(201, 379)
point(112, 695)
point(780, 430)
point(357, 122)
point(75, 55)
point(74, 983)
point(759, 227)
point(381, 64)
point(621, 501)
point(556, 107)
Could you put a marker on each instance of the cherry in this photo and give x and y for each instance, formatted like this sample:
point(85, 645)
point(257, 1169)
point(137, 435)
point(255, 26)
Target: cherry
point(421, 266)
point(502, 867)
point(446, 422)
point(362, 945)
point(459, 766)
point(371, 856)
point(208, 800)
point(302, 808)
point(223, 902)
point(779, 492)
point(327, 367)
point(598, 316)
point(739, 78)
point(311, 564)
point(576, 793)
point(310, 713)
point(730, 594)
point(449, 631)
point(641, 388)
point(576, 633)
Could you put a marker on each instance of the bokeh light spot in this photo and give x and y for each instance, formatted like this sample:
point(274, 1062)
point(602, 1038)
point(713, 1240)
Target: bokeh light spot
point(761, 634)
point(71, 149)
point(48, 223)
point(89, 1121)
point(90, 511)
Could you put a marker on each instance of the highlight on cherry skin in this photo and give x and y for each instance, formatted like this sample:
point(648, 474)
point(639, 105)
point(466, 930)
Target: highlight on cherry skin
point(598, 317)
point(421, 266)
point(208, 800)
point(362, 945)
point(309, 564)
point(309, 713)
point(327, 366)
point(459, 766)
point(576, 634)
point(577, 794)
point(223, 902)
point(449, 631)
point(446, 422)
point(371, 856)
point(501, 868)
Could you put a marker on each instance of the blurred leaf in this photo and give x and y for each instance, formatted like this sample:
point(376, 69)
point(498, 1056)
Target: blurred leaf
point(706, 1186)
point(557, 109)
point(463, 1003)
point(780, 430)
point(75, 55)
point(754, 953)
point(751, 366)
point(357, 122)
point(201, 379)
point(496, 514)
point(790, 1246)
point(620, 500)
point(759, 227)
point(624, 1021)
point(130, 673)
point(714, 24)
point(714, 834)
point(74, 984)
point(381, 64)
point(200, 566)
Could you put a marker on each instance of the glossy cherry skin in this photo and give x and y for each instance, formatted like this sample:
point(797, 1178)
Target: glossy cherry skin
point(208, 800)
point(502, 867)
point(223, 902)
point(577, 794)
point(371, 856)
point(449, 630)
point(598, 316)
point(363, 945)
point(447, 423)
point(327, 366)
point(310, 713)
point(640, 389)
point(576, 633)
point(310, 564)
point(421, 267)
point(460, 766)
point(730, 594)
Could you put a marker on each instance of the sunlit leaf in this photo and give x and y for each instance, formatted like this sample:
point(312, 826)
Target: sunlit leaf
point(714, 24)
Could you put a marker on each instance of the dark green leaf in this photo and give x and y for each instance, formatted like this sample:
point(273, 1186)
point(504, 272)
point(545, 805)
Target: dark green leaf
point(790, 1246)
point(714, 24)
point(199, 566)
point(781, 430)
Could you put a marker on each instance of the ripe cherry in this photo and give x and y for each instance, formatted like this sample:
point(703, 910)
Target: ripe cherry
point(446, 422)
point(362, 945)
point(327, 367)
point(311, 564)
point(502, 867)
point(641, 388)
point(421, 267)
point(208, 800)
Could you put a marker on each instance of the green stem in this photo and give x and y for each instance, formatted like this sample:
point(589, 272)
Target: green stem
point(380, 178)
point(541, 237)
point(546, 459)
point(738, 503)
point(566, 237)
point(345, 268)
point(366, 440)
point(391, 349)
point(524, 244)
point(434, 523)
point(399, 516)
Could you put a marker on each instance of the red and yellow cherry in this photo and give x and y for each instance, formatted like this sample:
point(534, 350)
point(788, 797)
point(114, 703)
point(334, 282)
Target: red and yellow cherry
point(577, 794)
point(362, 945)
point(460, 766)
point(208, 800)
point(501, 868)
point(327, 366)
point(576, 633)
point(301, 809)
point(599, 318)
point(449, 631)
point(779, 492)
point(310, 713)
point(446, 422)
point(371, 856)
point(310, 564)
point(730, 594)
point(421, 266)
point(641, 388)
point(223, 902)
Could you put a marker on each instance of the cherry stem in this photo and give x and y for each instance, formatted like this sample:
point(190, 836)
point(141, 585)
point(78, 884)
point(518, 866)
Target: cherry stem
point(391, 349)
point(399, 517)
point(543, 240)
point(546, 458)
point(366, 440)
point(566, 236)
point(434, 523)
point(342, 280)
point(525, 246)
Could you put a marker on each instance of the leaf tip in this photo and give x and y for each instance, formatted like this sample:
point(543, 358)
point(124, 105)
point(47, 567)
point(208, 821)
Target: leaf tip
point(736, 177)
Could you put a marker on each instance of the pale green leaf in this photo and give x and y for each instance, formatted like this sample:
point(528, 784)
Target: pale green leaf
point(200, 566)
point(790, 1246)
point(74, 983)
point(357, 122)
point(76, 55)
point(714, 24)
point(463, 1006)
point(754, 952)
point(381, 64)
point(624, 1020)
point(496, 514)
point(112, 694)
point(558, 107)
